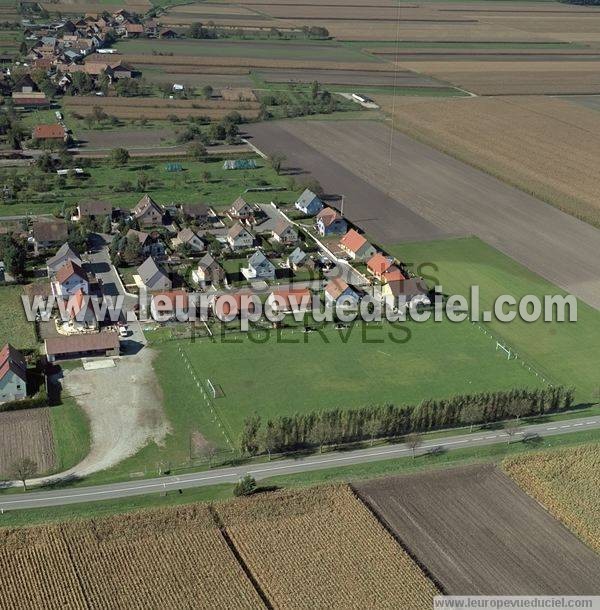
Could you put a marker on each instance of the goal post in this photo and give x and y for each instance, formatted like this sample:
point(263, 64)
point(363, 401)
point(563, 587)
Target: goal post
point(211, 387)
point(507, 350)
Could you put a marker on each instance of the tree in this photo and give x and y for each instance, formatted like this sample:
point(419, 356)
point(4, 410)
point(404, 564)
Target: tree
point(133, 249)
point(414, 440)
point(196, 151)
point(471, 414)
point(518, 408)
point(119, 156)
point(249, 437)
point(23, 469)
point(322, 432)
point(372, 429)
point(511, 428)
point(276, 161)
point(106, 225)
point(207, 92)
point(268, 438)
point(246, 486)
point(14, 259)
point(314, 89)
point(206, 176)
point(209, 451)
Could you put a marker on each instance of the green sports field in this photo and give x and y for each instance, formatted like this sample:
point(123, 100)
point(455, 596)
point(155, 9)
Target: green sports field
point(298, 372)
point(569, 353)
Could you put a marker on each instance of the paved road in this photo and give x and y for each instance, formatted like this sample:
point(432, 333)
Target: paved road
point(58, 497)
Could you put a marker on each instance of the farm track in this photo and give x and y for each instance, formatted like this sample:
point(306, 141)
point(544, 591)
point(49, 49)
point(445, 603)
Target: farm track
point(479, 534)
point(420, 193)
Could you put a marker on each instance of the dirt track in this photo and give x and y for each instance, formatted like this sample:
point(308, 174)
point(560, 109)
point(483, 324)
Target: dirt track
point(478, 534)
point(429, 194)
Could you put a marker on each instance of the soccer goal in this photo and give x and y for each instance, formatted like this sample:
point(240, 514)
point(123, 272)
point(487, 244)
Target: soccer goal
point(510, 355)
point(214, 389)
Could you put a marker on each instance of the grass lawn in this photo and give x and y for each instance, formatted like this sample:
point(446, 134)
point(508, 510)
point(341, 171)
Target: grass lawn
point(71, 431)
point(14, 327)
point(370, 368)
point(569, 353)
point(187, 186)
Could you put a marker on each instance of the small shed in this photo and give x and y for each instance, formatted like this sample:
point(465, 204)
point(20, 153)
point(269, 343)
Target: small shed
point(239, 164)
point(173, 167)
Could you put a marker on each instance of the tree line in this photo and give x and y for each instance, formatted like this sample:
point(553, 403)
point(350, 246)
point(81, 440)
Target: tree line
point(339, 426)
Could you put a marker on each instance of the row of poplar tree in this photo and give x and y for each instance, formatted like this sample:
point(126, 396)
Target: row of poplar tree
point(339, 426)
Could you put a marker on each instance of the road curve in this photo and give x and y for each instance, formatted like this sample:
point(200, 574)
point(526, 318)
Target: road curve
point(59, 497)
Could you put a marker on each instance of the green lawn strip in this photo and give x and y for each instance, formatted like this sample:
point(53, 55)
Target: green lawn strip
point(71, 431)
point(567, 352)
point(458, 457)
point(14, 327)
point(420, 44)
point(187, 186)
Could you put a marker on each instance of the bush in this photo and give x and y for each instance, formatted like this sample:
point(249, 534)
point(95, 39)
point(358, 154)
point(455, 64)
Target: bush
point(246, 486)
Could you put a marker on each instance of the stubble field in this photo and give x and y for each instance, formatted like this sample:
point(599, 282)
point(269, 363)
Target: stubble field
point(461, 522)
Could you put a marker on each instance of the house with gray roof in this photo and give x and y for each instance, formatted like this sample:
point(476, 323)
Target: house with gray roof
point(297, 259)
point(208, 272)
point(259, 267)
point(153, 276)
point(308, 203)
point(188, 237)
point(63, 255)
point(239, 238)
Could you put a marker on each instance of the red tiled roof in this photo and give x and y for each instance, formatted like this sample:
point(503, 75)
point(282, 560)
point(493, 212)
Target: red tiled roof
point(353, 241)
point(379, 264)
point(328, 216)
point(223, 306)
point(67, 270)
point(336, 287)
point(170, 300)
point(12, 360)
point(293, 298)
point(393, 274)
point(47, 132)
point(134, 28)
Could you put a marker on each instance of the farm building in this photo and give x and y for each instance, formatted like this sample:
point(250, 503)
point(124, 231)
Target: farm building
point(49, 133)
point(13, 375)
point(81, 346)
point(49, 233)
point(93, 210)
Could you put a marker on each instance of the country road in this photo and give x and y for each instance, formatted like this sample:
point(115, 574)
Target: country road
point(58, 497)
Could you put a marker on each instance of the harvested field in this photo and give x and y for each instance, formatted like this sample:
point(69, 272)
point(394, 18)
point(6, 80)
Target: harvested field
point(403, 78)
point(26, 433)
point(479, 534)
point(174, 558)
point(514, 78)
point(128, 138)
point(545, 146)
point(189, 78)
point(293, 542)
point(567, 483)
point(422, 187)
point(77, 7)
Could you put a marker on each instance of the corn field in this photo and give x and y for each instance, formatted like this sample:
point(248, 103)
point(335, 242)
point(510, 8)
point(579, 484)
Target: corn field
point(322, 548)
point(567, 483)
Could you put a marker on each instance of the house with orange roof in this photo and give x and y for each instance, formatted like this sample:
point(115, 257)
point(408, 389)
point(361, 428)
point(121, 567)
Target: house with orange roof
point(356, 246)
point(290, 300)
point(338, 291)
point(169, 304)
point(69, 279)
point(81, 314)
point(378, 264)
point(330, 222)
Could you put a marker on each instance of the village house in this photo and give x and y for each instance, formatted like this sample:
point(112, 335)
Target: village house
point(339, 293)
point(81, 314)
point(241, 210)
point(187, 237)
point(93, 210)
point(284, 232)
point(49, 133)
point(147, 212)
point(13, 375)
point(150, 243)
point(232, 305)
point(379, 264)
point(208, 273)
point(197, 212)
point(168, 34)
point(308, 203)
point(259, 267)
point(167, 305)
point(400, 294)
point(49, 233)
point(64, 254)
point(330, 222)
point(392, 274)
point(82, 345)
point(239, 238)
point(290, 300)
point(36, 99)
point(69, 279)
point(356, 246)
point(153, 277)
point(296, 259)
